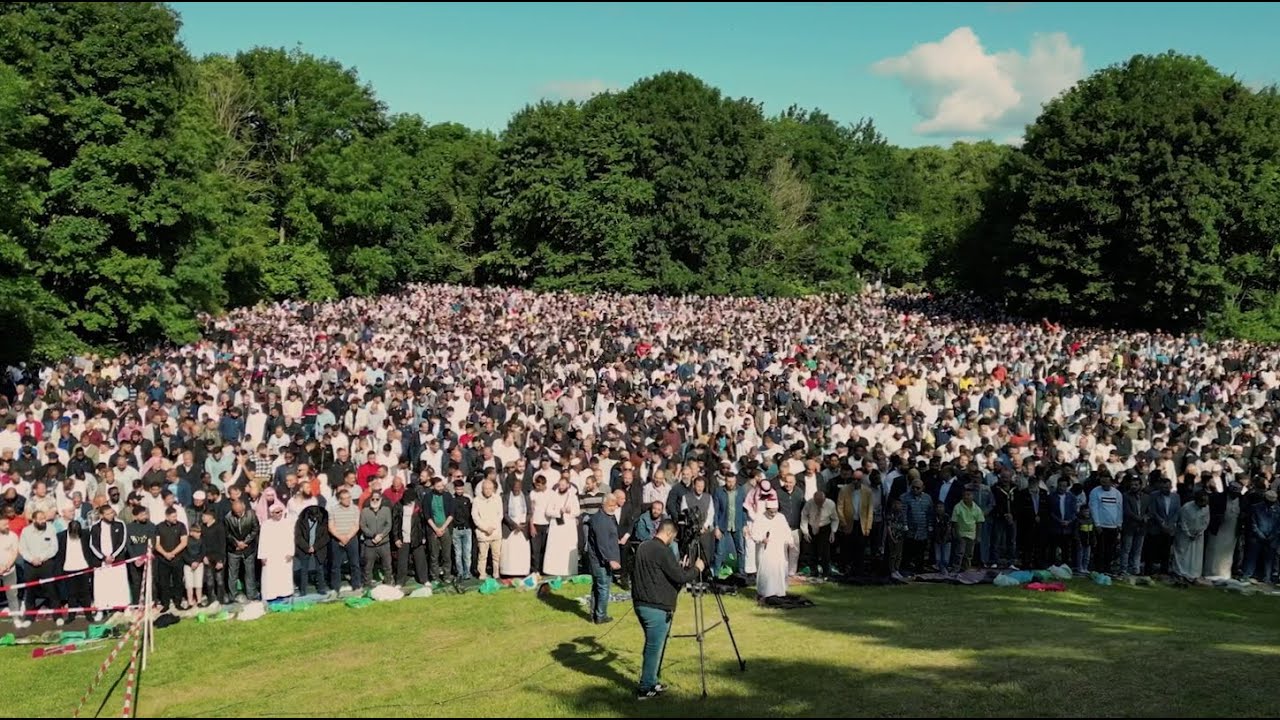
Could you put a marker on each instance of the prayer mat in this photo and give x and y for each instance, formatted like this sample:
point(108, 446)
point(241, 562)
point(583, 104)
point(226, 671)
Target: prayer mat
point(787, 602)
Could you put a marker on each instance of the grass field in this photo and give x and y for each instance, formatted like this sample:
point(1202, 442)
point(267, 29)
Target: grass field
point(915, 650)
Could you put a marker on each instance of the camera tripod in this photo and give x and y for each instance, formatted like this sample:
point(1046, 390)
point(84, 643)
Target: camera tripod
point(698, 590)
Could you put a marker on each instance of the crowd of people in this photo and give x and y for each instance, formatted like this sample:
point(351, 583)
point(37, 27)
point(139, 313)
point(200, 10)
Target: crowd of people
point(450, 432)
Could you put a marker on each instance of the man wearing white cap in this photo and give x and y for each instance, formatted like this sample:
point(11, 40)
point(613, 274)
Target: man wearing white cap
point(773, 537)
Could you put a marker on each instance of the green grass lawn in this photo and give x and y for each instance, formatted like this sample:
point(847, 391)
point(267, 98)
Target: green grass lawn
point(915, 650)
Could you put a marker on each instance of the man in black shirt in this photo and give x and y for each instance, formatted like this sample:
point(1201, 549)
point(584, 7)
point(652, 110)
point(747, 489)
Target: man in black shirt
point(140, 534)
point(171, 540)
point(462, 529)
point(657, 578)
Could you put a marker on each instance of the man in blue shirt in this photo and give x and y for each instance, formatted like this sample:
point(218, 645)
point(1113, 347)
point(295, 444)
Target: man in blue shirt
point(603, 557)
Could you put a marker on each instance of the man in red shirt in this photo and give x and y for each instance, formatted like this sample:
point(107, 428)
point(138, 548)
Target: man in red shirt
point(31, 426)
point(367, 471)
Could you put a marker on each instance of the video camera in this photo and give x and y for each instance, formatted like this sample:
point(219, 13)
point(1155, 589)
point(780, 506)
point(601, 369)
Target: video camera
point(689, 529)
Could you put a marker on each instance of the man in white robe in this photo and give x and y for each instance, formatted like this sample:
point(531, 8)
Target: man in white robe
point(275, 550)
point(773, 537)
point(562, 512)
point(516, 555)
point(1188, 549)
point(107, 543)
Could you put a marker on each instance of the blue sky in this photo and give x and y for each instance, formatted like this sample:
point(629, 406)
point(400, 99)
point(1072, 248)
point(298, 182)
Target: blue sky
point(925, 72)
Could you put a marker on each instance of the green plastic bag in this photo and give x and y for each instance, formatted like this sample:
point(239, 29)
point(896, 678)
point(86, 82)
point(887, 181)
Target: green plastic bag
point(555, 583)
point(96, 632)
point(356, 603)
point(7, 640)
point(489, 586)
point(70, 636)
point(580, 579)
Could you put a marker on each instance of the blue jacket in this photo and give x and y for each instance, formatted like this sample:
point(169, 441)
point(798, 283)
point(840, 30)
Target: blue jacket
point(1057, 517)
point(602, 540)
point(1266, 521)
point(720, 499)
point(646, 526)
point(231, 428)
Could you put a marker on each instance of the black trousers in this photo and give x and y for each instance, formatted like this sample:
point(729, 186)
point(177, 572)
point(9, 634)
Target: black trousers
point(1108, 547)
point(1157, 550)
point(440, 551)
point(135, 581)
point(169, 586)
point(79, 591)
point(820, 551)
point(48, 591)
point(915, 554)
point(538, 546)
point(417, 553)
point(855, 551)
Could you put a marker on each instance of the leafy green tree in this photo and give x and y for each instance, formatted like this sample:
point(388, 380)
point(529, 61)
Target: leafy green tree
point(1139, 191)
point(100, 224)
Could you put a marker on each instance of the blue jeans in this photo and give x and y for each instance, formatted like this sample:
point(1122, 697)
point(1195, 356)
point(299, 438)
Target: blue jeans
point(729, 542)
point(349, 552)
point(942, 555)
point(600, 579)
point(1084, 554)
point(1255, 550)
point(984, 543)
point(655, 622)
point(1131, 551)
point(462, 552)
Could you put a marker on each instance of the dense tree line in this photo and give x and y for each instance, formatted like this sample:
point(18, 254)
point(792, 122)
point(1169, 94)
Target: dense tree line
point(140, 186)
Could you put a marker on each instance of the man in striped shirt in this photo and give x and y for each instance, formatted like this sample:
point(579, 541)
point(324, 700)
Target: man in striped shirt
point(590, 500)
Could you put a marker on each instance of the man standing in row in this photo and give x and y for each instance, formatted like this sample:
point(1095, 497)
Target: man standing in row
point(603, 557)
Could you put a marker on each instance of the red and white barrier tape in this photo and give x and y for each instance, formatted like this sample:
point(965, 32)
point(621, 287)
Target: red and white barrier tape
point(64, 576)
point(45, 612)
point(102, 669)
point(131, 681)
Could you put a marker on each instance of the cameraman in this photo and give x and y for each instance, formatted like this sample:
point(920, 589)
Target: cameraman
point(657, 579)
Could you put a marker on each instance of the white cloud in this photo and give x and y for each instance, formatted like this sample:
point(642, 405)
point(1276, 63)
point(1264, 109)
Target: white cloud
point(961, 89)
point(576, 89)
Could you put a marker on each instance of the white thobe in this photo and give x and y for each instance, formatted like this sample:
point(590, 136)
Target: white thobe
point(275, 550)
point(110, 584)
point(773, 537)
point(561, 557)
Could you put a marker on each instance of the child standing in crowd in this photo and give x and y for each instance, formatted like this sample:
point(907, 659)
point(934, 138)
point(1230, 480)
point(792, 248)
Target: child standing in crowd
point(941, 538)
point(897, 533)
point(193, 560)
point(1086, 538)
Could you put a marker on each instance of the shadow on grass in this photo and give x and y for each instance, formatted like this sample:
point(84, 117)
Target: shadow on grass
point(945, 651)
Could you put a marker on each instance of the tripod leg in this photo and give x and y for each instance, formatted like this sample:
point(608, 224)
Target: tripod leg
point(700, 628)
point(724, 616)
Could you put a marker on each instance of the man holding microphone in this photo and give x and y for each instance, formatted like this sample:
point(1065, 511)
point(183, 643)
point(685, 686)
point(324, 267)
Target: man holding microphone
point(656, 581)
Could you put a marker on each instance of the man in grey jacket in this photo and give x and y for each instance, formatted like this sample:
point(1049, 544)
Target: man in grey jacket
point(375, 528)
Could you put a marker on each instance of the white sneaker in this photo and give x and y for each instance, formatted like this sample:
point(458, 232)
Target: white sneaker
point(97, 617)
point(60, 622)
point(20, 624)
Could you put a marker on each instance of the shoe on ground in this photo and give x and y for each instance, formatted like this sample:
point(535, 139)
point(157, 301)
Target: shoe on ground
point(97, 617)
point(604, 620)
point(20, 624)
point(649, 694)
point(60, 622)
point(659, 688)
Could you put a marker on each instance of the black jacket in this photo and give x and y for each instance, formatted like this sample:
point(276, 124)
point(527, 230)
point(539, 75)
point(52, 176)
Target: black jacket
point(506, 503)
point(426, 506)
point(302, 532)
point(215, 541)
point(95, 555)
point(602, 540)
point(244, 530)
point(658, 577)
point(417, 525)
